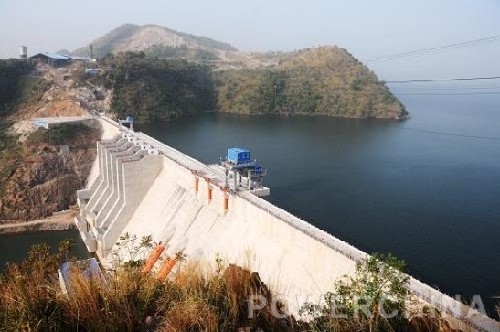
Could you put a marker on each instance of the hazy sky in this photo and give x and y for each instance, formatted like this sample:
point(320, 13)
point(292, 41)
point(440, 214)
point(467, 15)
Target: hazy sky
point(367, 28)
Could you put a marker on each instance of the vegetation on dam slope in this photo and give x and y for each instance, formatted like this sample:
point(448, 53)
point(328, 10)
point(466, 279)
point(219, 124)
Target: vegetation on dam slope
point(190, 299)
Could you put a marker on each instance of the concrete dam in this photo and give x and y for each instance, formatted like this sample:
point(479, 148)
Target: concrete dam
point(142, 187)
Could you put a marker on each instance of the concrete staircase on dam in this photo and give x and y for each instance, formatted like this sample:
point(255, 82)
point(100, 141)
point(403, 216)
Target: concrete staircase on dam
point(127, 168)
point(146, 188)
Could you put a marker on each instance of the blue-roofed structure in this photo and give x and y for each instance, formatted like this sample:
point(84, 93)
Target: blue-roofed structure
point(56, 59)
point(48, 55)
point(52, 59)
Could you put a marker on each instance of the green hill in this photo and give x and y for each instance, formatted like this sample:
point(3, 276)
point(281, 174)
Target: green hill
point(326, 81)
point(156, 89)
point(323, 81)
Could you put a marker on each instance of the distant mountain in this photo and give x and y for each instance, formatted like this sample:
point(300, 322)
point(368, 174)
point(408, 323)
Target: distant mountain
point(155, 40)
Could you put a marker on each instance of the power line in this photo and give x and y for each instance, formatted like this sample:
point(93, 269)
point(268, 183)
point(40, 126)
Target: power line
point(449, 94)
point(446, 134)
point(445, 80)
point(442, 88)
point(381, 82)
point(437, 50)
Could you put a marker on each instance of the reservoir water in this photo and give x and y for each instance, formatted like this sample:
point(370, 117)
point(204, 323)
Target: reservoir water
point(14, 247)
point(426, 189)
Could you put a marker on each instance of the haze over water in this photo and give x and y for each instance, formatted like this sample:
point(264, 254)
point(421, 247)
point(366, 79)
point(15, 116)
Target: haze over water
point(426, 189)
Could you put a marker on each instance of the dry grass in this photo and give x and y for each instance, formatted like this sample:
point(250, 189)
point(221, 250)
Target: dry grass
point(193, 298)
point(190, 300)
point(29, 291)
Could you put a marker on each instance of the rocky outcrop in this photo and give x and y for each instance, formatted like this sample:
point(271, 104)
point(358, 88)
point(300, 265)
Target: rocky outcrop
point(241, 284)
point(46, 176)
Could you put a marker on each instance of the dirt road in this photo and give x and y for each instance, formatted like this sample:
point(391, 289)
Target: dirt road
point(59, 221)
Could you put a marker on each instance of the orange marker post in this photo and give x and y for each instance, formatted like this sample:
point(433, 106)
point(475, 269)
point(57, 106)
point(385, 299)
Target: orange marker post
point(209, 190)
point(153, 257)
point(226, 198)
point(166, 268)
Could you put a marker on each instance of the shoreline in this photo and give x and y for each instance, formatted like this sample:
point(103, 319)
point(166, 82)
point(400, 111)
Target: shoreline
point(59, 221)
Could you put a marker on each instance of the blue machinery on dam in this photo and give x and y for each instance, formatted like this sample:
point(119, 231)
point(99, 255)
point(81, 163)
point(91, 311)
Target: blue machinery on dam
point(245, 172)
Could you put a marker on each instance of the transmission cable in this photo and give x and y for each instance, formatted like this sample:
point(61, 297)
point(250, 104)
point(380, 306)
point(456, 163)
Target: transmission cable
point(437, 50)
point(396, 93)
point(433, 132)
point(444, 80)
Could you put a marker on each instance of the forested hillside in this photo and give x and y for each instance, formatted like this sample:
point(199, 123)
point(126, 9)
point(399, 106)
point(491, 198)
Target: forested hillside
point(323, 81)
point(156, 89)
point(327, 81)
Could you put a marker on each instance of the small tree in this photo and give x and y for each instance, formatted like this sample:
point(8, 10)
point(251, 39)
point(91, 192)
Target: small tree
point(371, 299)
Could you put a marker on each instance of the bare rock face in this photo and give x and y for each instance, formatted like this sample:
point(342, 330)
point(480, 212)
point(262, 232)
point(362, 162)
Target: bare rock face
point(241, 284)
point(41, 185)
point(46, 178)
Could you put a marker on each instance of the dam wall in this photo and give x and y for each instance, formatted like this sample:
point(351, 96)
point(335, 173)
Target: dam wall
point(186, 219)
point(143, 187)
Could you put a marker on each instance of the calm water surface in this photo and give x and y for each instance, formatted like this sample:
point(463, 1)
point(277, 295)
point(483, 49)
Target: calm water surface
point(426, 189)
point(14, 247)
